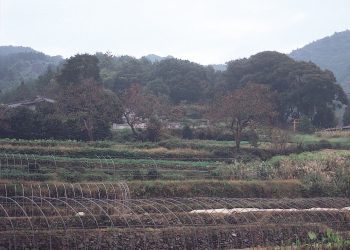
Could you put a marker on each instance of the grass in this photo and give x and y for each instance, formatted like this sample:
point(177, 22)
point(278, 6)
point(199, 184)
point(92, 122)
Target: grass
point(102, 162)
point(314, 138)
point(215, 188)
point(62, 168)
point(115, 150)
point(176, 159)
point(175, 148)
point(333, 158)
point(294, 166)
point(150, 174)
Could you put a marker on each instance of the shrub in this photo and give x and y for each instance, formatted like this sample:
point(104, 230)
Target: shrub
point(95, 177)
point(305, 125)
point(346, 116)
point(154, 130)
point(153, 174)
point(124, 135)
point(223, 153)
point(187, 132)
point(341, 181)
point(264, 171)
point(27, 177)
point(324, 144)
point(70, 176)
point(253, 138)
point(280, 139)
point(316, 185)
point(33, 167)
point(137, 175)
point(324, 118)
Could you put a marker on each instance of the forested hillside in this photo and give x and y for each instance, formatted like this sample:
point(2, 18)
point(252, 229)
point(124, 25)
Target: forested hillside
point(332, 52)
point(174, 79)
point(87, 87)
point(22, 64)
point(8, 50)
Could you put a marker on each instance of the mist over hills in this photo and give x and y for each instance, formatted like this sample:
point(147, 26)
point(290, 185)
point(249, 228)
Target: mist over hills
point(219, 67)
point(23, 64)
point(332, 53)
point(303, 88)
point(155, 58)
point(8, 50)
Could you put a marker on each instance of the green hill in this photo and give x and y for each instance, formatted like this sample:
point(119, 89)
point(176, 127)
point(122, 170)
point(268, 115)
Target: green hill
point(18, 64)
point(332, 52)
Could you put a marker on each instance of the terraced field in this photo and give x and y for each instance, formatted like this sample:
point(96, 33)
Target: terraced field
point(73, 195)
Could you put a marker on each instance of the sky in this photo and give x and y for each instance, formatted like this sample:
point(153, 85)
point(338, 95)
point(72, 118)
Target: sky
point(203, 31)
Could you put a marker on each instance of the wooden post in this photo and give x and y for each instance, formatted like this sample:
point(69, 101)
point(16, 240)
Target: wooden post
point(295, 122)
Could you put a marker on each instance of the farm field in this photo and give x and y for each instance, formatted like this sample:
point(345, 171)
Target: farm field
point(149, 125)
point(69, 194)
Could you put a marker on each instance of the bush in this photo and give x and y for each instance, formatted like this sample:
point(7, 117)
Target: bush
point(346, 116)
point(216, 188)
point(305, 125)
point(33, 167)
point(253, 138)
point(153, 174)
point(95, 177)
point(137, 175)
point(342, 182)
point(324, 118)
point(124, 135)
point(316, 185)
point(223, 153)
point(70, 176)
point(324, 144)
point(26, 176)
point(280, 139)
point(154, 130)
point(187, 132)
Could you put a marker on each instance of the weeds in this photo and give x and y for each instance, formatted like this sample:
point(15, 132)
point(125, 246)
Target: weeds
point(327, 240)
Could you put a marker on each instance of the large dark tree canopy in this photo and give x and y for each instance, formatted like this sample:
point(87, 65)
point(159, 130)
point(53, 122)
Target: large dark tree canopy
point(304, 88)
point(175, 79)
point(332, 52)
point(78, 68)
point(183, 80)
point(119, 73)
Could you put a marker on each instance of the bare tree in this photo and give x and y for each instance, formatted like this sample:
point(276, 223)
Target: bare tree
point(138, 106)
point(250, 104)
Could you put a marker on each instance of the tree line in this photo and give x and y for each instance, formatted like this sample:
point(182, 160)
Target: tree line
point(92, 91)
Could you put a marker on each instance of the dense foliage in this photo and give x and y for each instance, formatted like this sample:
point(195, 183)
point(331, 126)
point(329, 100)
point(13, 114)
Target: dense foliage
point(18, 64)
point(83, 109)
point(303, 88)
point(331, 53)
point(92, 91)
point(177, 80)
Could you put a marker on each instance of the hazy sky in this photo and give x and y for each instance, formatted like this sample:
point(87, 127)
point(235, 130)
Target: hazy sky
point(204, 31)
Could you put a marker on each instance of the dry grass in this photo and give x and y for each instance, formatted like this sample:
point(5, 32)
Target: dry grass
point(176, 151)
point(325, 163)
point(333, 134)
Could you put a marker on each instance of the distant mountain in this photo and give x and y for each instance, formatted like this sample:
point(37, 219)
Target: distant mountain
point(18, 64)
point(219, 67)
point(7, 50)
point(332, 52)
point(155, 58)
